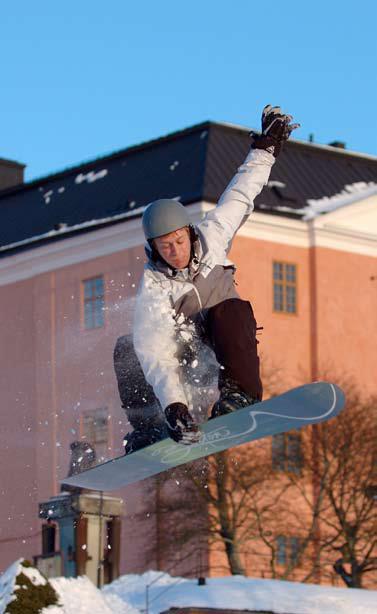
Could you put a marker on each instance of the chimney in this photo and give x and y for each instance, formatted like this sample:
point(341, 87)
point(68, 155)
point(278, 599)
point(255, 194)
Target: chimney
point(11, 173)
point(338, 144)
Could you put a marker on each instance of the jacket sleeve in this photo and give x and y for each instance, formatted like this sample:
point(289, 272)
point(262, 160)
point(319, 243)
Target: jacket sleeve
point(237, 202)
point(155, 344)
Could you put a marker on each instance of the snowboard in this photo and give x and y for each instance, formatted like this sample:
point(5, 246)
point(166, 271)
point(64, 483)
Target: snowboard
point(308, 404)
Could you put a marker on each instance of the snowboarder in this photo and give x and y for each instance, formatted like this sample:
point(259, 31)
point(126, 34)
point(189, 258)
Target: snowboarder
point(189, 282)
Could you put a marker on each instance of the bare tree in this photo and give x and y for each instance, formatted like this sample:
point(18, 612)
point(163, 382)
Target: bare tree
point(218, 502)
point(321, 501)
point(344, 467)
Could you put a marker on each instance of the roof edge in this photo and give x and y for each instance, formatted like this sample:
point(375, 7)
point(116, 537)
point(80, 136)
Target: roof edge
point(330, 148)
point(119, 153)
point(167, 137)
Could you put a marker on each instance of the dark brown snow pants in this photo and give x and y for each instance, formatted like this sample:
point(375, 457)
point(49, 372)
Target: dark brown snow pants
point(231, 329)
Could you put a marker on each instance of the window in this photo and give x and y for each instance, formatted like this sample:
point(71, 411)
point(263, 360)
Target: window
point(95, 430)
point(285, 287)
point(287, 549)
point(93, 302)
point(286, 452)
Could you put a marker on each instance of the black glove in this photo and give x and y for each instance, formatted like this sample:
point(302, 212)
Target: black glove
point(276, 129)
point(181, 425)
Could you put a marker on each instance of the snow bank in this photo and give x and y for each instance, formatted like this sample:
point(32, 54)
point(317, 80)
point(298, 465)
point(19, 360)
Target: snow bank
point(80, 596)
point(127, 595)
point(76, 595)
point(241, 593)
point(7, 584)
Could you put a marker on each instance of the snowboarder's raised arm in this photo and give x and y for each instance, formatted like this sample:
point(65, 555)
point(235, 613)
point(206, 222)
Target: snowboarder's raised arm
point(237, 202)
point(155, 344)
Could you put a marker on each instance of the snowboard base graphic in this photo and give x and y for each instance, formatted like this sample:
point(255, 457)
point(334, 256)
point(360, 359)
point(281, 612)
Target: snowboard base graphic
point(309, 404)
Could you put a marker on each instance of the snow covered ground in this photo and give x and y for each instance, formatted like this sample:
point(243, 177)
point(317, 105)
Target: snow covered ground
point(241, 593)
point(127, 595)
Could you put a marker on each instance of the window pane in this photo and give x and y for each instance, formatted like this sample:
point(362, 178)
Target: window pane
point(87, 289)
point(294, 548)
point(278, 297)
point(88, 315)
point(281, 550)
point(290, 272)
point(94, 302)
point(278, 452)
point(98, 287)
point(278, 271)
point(291, 299)
point(294, 455)
point(98, 312)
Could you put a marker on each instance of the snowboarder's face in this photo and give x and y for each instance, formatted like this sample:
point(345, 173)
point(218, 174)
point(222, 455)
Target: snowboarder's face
point(175, 248)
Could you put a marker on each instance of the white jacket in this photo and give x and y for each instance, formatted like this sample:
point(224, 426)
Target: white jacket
point(167, 300)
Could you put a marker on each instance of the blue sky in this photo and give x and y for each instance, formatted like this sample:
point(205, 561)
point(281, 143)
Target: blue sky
point(81, 78)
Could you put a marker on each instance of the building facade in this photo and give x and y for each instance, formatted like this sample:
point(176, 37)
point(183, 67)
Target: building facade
point(71, 257)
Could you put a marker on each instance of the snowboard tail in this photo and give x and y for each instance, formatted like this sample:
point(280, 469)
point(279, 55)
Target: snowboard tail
point(309, 404)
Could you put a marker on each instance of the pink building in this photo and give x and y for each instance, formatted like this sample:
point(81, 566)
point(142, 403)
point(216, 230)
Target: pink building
point(71, 256)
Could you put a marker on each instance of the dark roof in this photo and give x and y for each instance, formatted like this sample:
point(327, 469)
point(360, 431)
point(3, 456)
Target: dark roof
point(193, 164)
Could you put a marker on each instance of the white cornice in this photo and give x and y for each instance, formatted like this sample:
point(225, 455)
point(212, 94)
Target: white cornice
point(324, 231)
point(80, 248)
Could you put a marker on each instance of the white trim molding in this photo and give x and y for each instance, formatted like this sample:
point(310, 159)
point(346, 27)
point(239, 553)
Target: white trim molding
point(344, 230)
point(79, 248)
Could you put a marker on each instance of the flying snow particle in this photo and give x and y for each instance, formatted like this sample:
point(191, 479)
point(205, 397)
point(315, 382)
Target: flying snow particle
point(194, 363)
point(185, 335)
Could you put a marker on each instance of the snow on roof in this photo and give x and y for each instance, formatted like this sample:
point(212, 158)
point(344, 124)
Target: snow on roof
point(65, 229)
point(351, 193)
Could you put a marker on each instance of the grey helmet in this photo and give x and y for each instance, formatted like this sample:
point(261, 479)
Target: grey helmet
point(163, 216)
